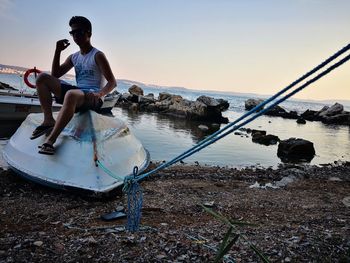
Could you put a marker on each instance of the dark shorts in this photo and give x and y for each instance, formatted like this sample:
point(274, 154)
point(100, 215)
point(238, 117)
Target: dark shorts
point(90, 101)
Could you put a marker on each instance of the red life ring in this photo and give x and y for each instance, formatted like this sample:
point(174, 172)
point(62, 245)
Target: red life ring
point(26, 75)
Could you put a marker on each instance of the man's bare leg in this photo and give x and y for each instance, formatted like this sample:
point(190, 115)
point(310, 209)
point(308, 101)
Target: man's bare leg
point(47, 84)
point(72, 100)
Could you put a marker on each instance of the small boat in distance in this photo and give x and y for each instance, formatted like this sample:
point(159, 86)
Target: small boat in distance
point(72, 167)
point(16, 105)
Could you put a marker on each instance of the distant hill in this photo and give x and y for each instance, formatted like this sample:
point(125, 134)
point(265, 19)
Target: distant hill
point(20, 70)
point(125, 82)
point(11, 69)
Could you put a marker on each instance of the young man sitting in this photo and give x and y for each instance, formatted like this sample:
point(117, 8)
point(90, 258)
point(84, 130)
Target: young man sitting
point(91, 69)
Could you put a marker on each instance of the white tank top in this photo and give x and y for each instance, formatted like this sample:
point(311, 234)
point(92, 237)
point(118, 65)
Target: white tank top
point(87, 74)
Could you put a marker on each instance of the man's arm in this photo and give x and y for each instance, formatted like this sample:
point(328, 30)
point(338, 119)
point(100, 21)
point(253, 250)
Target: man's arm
point(106, 71)
point(58, 70)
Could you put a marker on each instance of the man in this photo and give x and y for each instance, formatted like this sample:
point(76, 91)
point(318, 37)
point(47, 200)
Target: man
point(91, 67)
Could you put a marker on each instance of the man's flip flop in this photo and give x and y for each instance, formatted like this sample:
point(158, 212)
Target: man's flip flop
point(41, 130)
point(47, 148)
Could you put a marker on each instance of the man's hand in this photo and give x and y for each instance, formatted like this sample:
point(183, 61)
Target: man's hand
point(93, 100)
point(98, 94)
point(62, 44)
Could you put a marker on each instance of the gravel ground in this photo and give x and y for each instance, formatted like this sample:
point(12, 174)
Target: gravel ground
point(307, 220)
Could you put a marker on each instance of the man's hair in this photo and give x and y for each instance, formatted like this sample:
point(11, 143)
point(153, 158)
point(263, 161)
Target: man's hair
point(83, 21)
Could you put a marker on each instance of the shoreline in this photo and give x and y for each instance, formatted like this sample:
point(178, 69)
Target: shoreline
point(308, 219)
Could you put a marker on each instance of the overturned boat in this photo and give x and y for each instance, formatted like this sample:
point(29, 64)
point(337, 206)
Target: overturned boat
point(87, 136)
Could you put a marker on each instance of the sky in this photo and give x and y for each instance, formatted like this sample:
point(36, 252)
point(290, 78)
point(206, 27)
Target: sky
point(250, 46)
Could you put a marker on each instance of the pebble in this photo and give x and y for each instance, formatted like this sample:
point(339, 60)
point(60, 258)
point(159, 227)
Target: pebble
point(90, 240)
point(182, 257)
point(203, 127)
point(346, 201)
point(209, 204)
point(161, 256)
point(59, 247)
point(38, 243)
point(335, 179)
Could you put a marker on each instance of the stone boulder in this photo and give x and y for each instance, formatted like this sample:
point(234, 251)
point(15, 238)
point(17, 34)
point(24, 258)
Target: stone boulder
point(136, 90)
point(301, 121)
point(149, 98)
point(256, 132)
point(341, 118)
point(195, 110)
point(309, 115)
point(329, 115)
point(251, 103)
point(203, 109)
point(296, 150)
point(264, 139)
point(164, 96)
point(128, 98)
point(276, 111)
point(331, 111)
point(220, 104)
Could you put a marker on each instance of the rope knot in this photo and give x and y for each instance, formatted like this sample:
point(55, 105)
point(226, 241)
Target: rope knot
point(135, 200)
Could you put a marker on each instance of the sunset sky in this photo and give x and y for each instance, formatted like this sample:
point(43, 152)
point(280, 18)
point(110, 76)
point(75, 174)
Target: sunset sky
point(251, 46)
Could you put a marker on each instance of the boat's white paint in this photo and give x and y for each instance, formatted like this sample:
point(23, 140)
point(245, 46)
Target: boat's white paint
point(72, 165)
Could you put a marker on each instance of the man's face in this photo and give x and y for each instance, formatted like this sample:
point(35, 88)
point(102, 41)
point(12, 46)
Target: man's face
point(79, 34)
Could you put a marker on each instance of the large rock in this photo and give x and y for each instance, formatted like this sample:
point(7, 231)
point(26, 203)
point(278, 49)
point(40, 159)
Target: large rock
point(309, 115)
point(264, 139)
point(196, 111)
point(342, 118)
point(149, 98)
point(220, 104)
point(164, 96)
point(329, 115)
point(136, 90)
point(301, 120)
point(276, 111)
point(321, 112)
point(203, 109)
point(296, 150)
point(251, 103)
point(331, 111)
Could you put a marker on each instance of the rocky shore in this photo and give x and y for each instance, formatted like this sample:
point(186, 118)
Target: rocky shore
point(301, 213)
point(203, 109)
point(334, 114)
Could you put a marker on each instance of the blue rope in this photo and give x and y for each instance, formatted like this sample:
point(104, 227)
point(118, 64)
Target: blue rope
point(194, 150)
point(135, 200)
point(131, 183)
point(216, 136)
point(107, 171)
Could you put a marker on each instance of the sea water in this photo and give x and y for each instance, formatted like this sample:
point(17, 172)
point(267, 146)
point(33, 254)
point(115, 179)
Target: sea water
point(166, 137)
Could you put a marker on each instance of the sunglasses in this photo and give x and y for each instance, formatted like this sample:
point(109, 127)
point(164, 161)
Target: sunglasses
point(77, 32)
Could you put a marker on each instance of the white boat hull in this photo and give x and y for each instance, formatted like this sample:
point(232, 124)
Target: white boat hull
point(72, 166)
